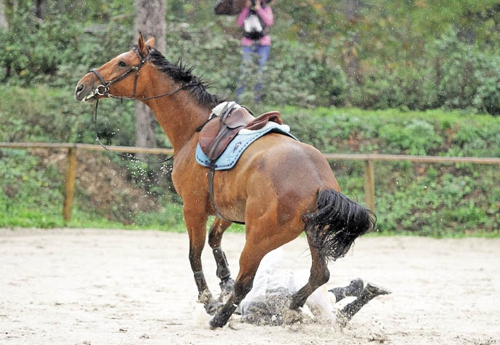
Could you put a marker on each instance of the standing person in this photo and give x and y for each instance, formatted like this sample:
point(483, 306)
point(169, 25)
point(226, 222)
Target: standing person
point(255, 19)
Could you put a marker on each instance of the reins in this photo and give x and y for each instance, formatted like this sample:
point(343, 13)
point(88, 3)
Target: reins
point(127, 155)
point(103, 90)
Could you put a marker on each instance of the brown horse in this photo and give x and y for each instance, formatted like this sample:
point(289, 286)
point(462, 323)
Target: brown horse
point(279, 188)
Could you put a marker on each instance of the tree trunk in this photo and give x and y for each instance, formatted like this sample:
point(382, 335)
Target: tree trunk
point(150, 20)
point(351, 58)
point(40, 8)
point(4, 25)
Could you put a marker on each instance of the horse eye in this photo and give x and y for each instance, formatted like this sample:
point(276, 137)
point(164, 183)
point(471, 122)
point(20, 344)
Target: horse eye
point(122, 64)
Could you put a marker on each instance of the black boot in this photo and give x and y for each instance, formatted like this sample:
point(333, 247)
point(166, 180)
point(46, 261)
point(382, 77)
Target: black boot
point(369, 292)
point(353, 289)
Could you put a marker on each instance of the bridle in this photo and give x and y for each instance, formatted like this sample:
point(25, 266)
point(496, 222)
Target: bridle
point(103, 90)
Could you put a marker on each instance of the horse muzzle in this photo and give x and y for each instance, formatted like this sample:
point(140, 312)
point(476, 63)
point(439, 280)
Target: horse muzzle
point(84, 92)
point(88, 93)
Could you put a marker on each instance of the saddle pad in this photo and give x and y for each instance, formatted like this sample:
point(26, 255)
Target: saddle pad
point(236, 147)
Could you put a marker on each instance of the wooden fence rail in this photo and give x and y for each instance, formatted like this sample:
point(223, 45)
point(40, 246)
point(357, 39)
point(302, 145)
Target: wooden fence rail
point(369, 183)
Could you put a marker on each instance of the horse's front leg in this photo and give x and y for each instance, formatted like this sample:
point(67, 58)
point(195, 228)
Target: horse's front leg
point(214, 240)
point(196, 227)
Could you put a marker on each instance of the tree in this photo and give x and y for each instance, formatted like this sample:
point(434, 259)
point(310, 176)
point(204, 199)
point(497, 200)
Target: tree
point(3, 18)
point(351, 55)
point(150, 20)
point(40, 8)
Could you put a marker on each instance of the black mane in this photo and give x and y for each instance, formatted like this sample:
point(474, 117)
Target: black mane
point(180, 73)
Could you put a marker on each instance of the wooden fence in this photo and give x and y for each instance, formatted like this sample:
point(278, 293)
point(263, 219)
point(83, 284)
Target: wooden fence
point(369, 159)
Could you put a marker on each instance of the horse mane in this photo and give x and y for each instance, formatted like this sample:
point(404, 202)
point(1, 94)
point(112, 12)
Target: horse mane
point(179, 72)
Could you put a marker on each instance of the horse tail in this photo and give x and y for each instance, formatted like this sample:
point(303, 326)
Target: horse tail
point(336, 223)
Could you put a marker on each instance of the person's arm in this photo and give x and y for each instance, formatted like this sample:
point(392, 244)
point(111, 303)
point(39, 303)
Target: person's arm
point(244, 13)
point(266, 14)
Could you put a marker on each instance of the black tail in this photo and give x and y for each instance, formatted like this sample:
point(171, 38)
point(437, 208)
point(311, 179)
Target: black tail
point(336, 223)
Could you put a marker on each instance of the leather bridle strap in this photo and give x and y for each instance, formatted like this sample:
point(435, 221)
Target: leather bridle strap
point(103, 89)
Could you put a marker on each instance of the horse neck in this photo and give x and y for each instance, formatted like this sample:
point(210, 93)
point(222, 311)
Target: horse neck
point(179, 116)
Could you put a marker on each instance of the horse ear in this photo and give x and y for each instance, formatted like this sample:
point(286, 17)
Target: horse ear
point(151, 42)
point(143, 49)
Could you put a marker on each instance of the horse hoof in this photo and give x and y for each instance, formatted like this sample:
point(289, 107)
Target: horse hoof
point(213, 308)
point(226, 286)
point(216, 322)
point(292, 316)
point(209, 303)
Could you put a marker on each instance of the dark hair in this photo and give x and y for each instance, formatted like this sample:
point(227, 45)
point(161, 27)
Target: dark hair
point(262, 4)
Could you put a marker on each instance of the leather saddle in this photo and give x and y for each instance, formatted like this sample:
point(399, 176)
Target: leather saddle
point(218, 132)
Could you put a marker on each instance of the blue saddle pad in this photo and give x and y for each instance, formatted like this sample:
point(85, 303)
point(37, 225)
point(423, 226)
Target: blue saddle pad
point(235, 149)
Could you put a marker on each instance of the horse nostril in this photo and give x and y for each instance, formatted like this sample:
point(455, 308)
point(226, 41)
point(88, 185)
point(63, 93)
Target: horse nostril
point(80, 88)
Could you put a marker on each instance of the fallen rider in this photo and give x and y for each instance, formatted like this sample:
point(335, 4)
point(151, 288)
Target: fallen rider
point(267, 303)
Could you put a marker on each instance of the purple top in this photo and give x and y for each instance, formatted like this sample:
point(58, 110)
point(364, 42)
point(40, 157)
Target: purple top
point(266, 14)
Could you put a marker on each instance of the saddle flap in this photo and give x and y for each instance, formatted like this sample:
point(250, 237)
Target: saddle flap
point(239, 117)
point(208, 133)
point(263, 119)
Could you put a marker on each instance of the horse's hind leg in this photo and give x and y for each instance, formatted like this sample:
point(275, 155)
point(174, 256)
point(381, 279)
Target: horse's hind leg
point(214, 240)
point(250, 258)
point(319, 275)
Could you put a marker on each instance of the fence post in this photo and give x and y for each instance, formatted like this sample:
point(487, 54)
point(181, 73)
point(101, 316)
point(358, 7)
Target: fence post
point(369, 185)
point(69, 188)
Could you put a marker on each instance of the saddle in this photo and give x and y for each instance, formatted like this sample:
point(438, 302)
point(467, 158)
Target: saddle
point(218, 132)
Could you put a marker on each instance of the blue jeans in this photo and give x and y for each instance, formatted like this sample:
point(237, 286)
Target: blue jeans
point(261, 54)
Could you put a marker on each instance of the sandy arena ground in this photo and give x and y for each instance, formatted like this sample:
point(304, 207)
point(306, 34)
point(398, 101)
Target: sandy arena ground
point(92, 287)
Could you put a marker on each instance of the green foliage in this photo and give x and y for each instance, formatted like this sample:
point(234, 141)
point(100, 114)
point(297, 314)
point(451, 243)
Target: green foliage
point(34, 48)
point(410, 55)
point(417, 137)
point(440, 200)
point(52, 48)
point(28, 191)
point(53, 115)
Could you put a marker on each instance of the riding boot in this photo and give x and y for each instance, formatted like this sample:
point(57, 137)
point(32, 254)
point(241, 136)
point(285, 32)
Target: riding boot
point(353, 289)
point(369, 292)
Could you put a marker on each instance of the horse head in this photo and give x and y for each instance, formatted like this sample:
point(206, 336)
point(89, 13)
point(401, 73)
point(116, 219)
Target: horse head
point(118, 78)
